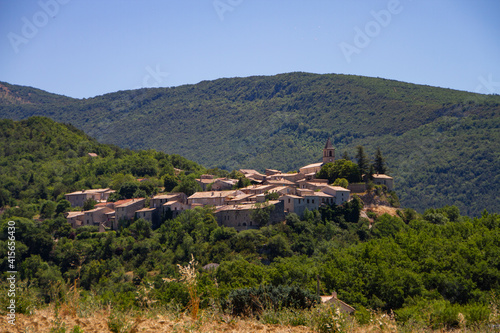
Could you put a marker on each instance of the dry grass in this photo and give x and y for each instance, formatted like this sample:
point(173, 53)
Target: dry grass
point(47, 319)
point(188, 277)
point(381, 210)
point(67, 318)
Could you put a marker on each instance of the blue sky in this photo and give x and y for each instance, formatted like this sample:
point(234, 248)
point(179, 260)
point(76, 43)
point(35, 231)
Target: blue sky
point(84, 48)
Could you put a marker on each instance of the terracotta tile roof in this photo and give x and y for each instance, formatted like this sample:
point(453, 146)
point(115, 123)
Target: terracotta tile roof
point(258, 187)
point(337, 188)
point(96, 190)
point(380, 175)
point(130, 202)
point(322, 194)
point(146, 209)
point(292, 196)
point(248, 171)
point(280, 182)
point(121, 202)
point(205, 180)
point(166, 196)
point(170, 203)
point(212, 194)
point(74, 214)
point(314, 165)
point(97, 209)
point(242, 206)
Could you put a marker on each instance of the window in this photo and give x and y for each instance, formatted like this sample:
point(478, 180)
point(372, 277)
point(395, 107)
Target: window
point(307, 200)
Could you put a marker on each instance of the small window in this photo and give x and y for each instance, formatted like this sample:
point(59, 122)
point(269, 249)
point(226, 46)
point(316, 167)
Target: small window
point(307, 200)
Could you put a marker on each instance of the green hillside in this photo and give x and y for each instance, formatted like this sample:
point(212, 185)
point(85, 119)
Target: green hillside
point(40, 160)
point(442, 146)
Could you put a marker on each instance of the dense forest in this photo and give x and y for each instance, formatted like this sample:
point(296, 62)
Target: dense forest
point(442, 146)
point(428, 268)
point(41, 160)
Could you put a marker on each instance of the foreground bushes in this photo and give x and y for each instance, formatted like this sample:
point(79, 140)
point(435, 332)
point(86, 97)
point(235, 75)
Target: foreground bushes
point(251, 301)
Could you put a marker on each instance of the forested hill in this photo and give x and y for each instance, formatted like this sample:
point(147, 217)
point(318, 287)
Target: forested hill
point(42, 159)
point(442, 146)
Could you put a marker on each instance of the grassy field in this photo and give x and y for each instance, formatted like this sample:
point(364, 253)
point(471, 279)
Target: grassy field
point(67, 318)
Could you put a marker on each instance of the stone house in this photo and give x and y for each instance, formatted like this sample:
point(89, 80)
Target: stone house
point(204, 181)
point(293, 177)
point(240, 216)
point(311, 170)
point(257, 189)
point(174, 208)
point(96, 216)
point(253, 175)
point(337, 303)
point(77, 198)
point(212, 198)
point(341, 194)
point(223, 184)
point(146, 213)
point(381, 179)
point(297, 205)
point(159, 200)
point(270, 172)
point(75, 218)
point(126, 211)
point(313, 184)
point(279, 182)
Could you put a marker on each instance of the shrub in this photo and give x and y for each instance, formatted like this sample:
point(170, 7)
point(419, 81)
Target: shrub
point(250, 301)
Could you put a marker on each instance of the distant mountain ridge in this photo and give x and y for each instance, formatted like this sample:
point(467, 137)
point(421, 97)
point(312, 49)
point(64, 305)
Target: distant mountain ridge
point(442, 146)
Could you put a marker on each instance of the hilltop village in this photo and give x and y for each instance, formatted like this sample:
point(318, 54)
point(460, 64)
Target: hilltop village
point(275, 192)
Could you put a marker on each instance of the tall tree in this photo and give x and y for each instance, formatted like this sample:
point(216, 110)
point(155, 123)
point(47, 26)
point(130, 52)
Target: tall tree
point(362, 159)
point(379, 162)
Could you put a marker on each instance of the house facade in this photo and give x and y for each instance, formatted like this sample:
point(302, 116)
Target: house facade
point(212, 198)
point(78, 198)
point(126, 211)
point(96, 216)
point(381, 179)
point(298, 204)
point(240, 216)
point(340, 194)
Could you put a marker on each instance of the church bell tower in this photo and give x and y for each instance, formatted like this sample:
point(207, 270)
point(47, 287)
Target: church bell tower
point(328, 153)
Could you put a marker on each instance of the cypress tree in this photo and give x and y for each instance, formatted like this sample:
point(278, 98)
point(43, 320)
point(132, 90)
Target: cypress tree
point(362, 159)
point(379, 162)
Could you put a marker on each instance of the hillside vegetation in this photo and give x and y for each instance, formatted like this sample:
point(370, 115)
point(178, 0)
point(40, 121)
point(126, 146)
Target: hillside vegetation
point(417, 272)
point(41, 160)
point(442, 146)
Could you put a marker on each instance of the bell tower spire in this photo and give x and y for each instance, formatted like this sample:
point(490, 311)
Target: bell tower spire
point(328, 152)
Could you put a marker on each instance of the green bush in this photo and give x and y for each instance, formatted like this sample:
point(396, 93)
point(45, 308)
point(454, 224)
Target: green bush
point(249, 301)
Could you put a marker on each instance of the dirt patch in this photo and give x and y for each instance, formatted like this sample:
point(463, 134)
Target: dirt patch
point(381, 210)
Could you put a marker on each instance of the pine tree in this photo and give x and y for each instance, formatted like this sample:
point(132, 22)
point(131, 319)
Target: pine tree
point(379, 163)
point(362, 159)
